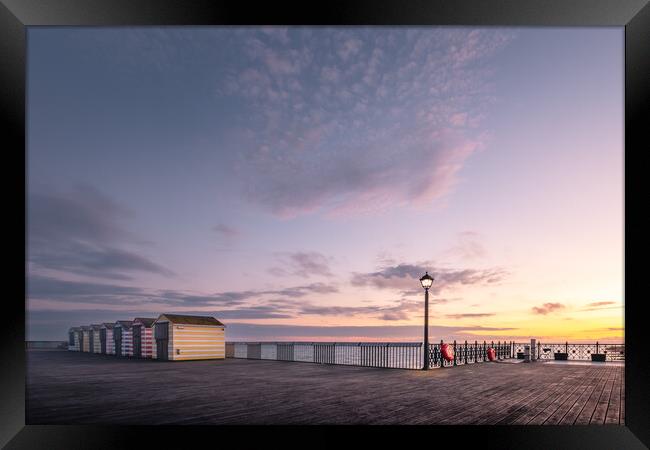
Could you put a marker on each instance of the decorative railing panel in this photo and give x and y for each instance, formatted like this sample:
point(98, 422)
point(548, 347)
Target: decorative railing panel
point(468, 352)
point(581, 352)
point(409, 355)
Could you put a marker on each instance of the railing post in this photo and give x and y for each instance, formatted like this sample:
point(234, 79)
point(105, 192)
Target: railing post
point(455, 352)
point(442, 360)
point(484, 350)
point(596, 346)
point(465, 352)
point(386, 356)
point(566, 349)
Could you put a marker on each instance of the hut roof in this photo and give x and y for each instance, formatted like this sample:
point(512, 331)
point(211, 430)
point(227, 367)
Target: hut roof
point(75, 328)
point(192, 320)
point(85, 328)
point(96, 326)
point(108, 325)
point(124, 323)
point(146, 321)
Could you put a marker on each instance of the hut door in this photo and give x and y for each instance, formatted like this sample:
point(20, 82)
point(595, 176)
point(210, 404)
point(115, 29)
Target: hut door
point(117, 336)
point(162, 341)
point(162, 349)
point(137, 341)
point(91, 341)
point(102, 340)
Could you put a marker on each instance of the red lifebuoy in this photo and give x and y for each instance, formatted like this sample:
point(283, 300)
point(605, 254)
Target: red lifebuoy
point(447, 352)
point(491, 354)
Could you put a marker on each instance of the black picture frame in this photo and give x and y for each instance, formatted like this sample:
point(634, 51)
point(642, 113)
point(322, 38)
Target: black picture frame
point(17, 15)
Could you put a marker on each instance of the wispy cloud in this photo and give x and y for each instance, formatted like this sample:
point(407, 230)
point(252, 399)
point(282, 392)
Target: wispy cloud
point(340, 121)
point(226, 231)
point(405, 275)
point(301, 264)
point(468, 246)
point(301, 291)
point(400, 310)
point(605, 329)
point(596, 306)
point(81, 292)
point(77, 291)
point(547, 308)
point(469, 315)
point(80, 232)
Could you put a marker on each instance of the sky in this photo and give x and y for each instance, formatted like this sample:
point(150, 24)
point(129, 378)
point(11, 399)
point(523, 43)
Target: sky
point(296, 183)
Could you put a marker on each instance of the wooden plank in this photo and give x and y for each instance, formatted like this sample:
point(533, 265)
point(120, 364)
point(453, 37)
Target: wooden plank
point(622, 413)
point(84, 388)
point(539, 404)
point(486, 407)
point(590, 405)
point(613, 415)
point(600, 411)
point(570, 391)
point(572, 414)
point(585, 387)
point(521, 409)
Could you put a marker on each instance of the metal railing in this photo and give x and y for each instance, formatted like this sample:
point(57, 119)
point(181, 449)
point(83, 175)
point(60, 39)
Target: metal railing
point(469, 353)
point(397, 355)
point(581, 352)
point(409, 355)
point(58, 345)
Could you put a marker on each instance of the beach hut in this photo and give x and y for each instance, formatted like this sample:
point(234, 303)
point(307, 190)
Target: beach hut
point(123, 337)
point(142, 337)
point(96, 346)
point(85, 338)
point(106, 339)
point(73, 339)
point(182, 338)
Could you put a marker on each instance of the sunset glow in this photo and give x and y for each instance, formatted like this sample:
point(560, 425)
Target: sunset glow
point(296, 183)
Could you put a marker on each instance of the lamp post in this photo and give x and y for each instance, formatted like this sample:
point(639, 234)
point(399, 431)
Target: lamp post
point(426, 281)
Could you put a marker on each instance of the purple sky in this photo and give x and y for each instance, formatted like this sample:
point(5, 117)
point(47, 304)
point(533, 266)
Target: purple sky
point(296, 182)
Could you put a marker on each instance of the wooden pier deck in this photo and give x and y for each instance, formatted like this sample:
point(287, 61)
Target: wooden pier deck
point(80, 388)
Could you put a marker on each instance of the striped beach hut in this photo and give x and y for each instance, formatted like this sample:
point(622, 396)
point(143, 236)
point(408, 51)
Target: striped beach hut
point(86, 331)
point(73, 339)
point(142, 337)
point(181, 338)
point(96, 346)
point(123, 337)
point(106, 338)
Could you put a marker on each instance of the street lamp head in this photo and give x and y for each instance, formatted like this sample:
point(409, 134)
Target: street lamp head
point(426, 280)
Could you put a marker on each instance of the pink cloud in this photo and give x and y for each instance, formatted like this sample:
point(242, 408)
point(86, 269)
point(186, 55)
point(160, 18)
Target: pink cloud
point(547, 308)
point(358, 147)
